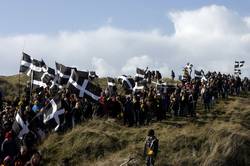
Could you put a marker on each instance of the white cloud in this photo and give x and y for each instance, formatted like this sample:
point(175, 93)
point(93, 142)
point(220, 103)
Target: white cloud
point(137, 61)
point(211, 37)
point(102, 67)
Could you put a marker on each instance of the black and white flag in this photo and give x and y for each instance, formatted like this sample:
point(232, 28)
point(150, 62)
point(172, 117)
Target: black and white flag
point(140, 74)
point(237, 64)
point(52, 113)
point(138, 87)
point(37, 80)
point(76, 78)
point(48, 74)
point(111, 82)
point(28, 64)
point(92, 75)
point(43, 78)
point(25, 63)
point(20, 127)
point(189, 68)
point(83, 87)
point(198, 74)
point(242, 63)
point(237, 71)
point(63, 73)
point(127, 82)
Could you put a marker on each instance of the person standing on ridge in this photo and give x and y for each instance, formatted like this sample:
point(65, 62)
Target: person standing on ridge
point(151, 148)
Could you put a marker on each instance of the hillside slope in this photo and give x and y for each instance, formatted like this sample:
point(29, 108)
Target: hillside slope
point(9, 85)
point(219, 137)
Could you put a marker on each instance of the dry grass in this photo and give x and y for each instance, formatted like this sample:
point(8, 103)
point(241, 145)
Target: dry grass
point(221, 137)
point(9, 85)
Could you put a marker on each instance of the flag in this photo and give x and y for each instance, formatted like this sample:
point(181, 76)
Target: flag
point(25, 63)
point(111, 82)
point(161, 86)
point(237, 71)
point(76, 78)
point(138, 87)
point(92, 75)
point(54, 85)
point(49, 73)
point(28, 64)
point(37, 80)
point(111, 86)
point(20, 127)
point(140, 74)
point(203, 78)
point(83, 87)
point(197, 74)
point(189, 68)
point(242, 63)
point(64, 73)
point(52, 113)
point(237, 64)
point(127, 82)
point(36, 65)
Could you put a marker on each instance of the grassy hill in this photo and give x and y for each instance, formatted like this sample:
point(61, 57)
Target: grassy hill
point(9, 85)
point(219, 137)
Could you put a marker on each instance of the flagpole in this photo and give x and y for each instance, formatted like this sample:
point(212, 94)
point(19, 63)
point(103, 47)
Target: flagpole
point(19, 81)
point(31, 80)
point(19, 85)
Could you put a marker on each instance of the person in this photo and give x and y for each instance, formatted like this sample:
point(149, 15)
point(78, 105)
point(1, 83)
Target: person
point(35, 160)
point(9, 147)
point(22, 157)
point(128, 117)
point(172, 75)
point(151, 148)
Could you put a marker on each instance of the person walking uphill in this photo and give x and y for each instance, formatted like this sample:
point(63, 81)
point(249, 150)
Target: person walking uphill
point(151, 148)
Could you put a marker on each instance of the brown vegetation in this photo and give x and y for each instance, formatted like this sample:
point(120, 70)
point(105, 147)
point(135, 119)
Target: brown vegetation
point(219, 137)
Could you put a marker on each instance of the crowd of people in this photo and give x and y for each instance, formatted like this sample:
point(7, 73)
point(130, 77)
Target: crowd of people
point(154, 103)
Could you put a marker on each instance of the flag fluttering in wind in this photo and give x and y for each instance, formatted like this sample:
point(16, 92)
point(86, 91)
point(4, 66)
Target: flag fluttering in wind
point(140, 74)
point(52, 113)
point(25, 63)
point(127, 82)
point(63, 73)
point(28, 64)
point(83, 87)
point(237, 67)
point(20, 126)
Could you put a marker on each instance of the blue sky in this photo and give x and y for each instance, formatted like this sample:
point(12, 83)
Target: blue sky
point(114, 37)
point(51, 16)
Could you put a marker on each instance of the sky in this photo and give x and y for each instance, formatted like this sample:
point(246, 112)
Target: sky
point(113, 37)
